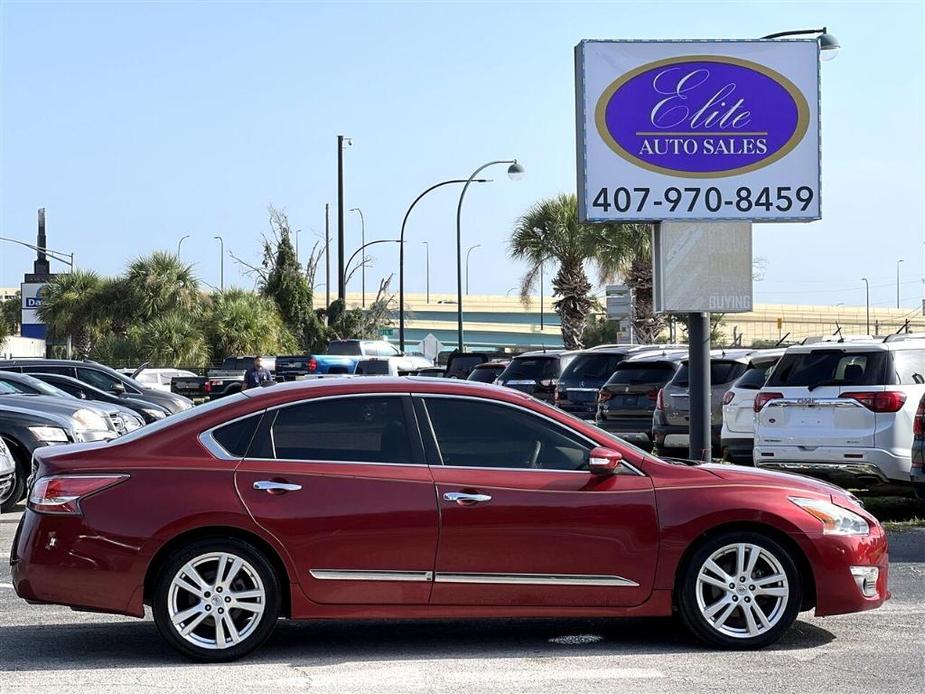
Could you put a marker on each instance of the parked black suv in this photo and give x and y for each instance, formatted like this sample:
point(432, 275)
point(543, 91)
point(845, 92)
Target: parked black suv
point(99, 376)
point(536, 373)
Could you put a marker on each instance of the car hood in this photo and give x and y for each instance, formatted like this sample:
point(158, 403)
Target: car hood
point(757, 476)
point(50, 404)
point(172, 402)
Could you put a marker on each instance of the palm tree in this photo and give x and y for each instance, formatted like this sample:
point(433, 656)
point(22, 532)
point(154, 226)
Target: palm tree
point(71, 308)
point(550, 232)
point(239, 322)
point(160, 283)
point(171, 339)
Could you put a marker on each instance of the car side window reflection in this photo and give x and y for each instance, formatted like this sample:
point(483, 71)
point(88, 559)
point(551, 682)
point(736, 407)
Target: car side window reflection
point(480, 434)
point(364, 429)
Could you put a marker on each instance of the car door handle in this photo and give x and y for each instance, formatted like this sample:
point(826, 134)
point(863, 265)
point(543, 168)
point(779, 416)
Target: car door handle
point(272, 487)
point(464, 499)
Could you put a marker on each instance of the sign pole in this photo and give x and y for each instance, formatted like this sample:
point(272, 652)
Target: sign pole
point(698, 332)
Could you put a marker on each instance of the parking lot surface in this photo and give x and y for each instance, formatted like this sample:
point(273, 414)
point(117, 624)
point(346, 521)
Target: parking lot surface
point(43, 647)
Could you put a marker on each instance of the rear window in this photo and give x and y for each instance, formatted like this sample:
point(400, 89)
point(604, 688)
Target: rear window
point(720, 372)
point(632, 374)
point(486, 374)
point(595, 366)
point(535, 368)
point(909, 366)
point(346, 348)
point(830, 367)
point(754, 378)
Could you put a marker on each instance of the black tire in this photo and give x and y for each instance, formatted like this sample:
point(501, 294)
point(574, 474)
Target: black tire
point(919, 489)
point(18, 490)
point(698, 623)
point(257, 633)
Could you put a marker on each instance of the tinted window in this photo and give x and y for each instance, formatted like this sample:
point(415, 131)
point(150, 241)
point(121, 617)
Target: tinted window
point(460, 367)
point(344, 348)
point(532, 368)
point(754, 378)
point(830, 367)
point(16, 386)
point(71, 388)
point(592, 366)
point(910, 366)
point(720, 372)
point(480, 434)
point(98, 379)
point(485, 374)
point(369, 430)
point(236, 437)
point(62, 370)
point(631, 374)
point(7, 389)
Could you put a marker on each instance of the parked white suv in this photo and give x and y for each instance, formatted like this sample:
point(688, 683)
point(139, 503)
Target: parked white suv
point(842, 411)
point(737, 437)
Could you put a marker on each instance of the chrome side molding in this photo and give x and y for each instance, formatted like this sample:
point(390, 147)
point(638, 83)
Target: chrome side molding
point(485, 578)
point(362, 575)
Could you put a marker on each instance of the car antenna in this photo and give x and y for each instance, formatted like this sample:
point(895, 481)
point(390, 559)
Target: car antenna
point(781, 341)
point(841, 338)
point(903, 327)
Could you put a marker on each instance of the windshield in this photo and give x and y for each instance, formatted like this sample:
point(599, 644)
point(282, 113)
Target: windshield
point(534, 368)
point(7, 389)
point(591, 366)
point(830, 367)
point(30, 384)
point(631, 374)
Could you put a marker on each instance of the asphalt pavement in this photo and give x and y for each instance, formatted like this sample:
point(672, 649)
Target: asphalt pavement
point(47, 648)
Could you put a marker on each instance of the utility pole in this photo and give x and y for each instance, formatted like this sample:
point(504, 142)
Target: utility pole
point(341, 283)
point(327, 256)
point(698, 330)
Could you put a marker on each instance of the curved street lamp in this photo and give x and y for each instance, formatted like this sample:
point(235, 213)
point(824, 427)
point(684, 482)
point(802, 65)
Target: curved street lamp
point(362, 244)
point(180, 243)
point(221, 264)
point(516, 172)
point(401, 254)
point(867, 300)
point(360, 250)
point(60, 256)
point(828, 44)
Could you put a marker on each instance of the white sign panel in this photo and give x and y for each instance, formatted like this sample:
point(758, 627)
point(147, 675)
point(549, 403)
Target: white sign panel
point(707, 130)
point(702, 267)
point(31, 293)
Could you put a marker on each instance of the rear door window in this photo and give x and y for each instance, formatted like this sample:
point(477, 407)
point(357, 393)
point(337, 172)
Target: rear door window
point(754, 378)
point(236, 436)
point(830, 367)
point(39, 369)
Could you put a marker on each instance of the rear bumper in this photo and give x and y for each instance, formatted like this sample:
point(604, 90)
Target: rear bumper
point(835, 462)
point(832, 557)
point(739, 447)
point(675, 436)
point(634, 429)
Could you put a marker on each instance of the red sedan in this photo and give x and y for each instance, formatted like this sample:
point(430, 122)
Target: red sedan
point(421, 498)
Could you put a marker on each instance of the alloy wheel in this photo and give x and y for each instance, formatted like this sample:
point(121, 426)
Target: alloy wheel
point(742, 590)
point(216, 600)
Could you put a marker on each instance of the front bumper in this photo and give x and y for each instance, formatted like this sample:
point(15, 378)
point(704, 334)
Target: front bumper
point(835, 463)
point(831, 558)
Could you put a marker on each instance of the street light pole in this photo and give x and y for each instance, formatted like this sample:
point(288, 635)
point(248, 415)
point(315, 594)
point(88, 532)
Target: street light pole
point(401, 257)
point(362, 243)
point(541, 299)
point(897, 281)
point(867, 301)
point(471, 248)
point(60, 256)
point(327, 257)
point(341, 284)
point(515, 171)
point(360, 250)
point(426, 272)
point(828, 44)
point(180, 243)
point(221, 264)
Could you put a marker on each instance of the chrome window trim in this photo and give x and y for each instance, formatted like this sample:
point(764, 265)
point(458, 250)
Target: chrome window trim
point(364, 575)
point(528, 411)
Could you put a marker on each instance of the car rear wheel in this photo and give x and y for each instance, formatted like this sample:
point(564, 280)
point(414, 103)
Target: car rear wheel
point(216, 600)
point(740, 590)
point(16, 489)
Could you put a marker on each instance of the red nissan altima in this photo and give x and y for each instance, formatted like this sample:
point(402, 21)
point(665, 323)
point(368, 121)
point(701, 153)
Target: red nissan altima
point(417, 498)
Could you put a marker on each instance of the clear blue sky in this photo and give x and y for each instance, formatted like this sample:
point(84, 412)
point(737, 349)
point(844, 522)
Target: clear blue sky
point(136, 123)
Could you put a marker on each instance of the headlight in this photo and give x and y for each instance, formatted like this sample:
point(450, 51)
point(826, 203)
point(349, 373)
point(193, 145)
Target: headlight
point(151, 412)
point(835, 519)
point(91, 421)
point(50, 434)
point(131, 423)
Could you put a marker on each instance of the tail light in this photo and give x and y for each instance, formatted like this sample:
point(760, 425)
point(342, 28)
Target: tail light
point(207, 386)
point(604, 395)
point(883, 401)
point(918, 424)
point(312, 365)
point(653, 394)
point(660, 399)
point(61, 494)
point(728, 397)
point(764, 397)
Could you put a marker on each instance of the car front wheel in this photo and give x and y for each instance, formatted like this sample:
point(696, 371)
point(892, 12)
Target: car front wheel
point(740, 590)
point(216, 600)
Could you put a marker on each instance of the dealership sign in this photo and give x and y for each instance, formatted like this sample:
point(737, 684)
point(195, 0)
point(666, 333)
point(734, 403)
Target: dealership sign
point(32, 325)
point(707, 130)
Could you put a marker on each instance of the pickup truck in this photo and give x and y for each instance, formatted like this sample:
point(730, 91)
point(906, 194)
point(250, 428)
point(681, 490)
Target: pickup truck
point(225, 380)
point(343, 356)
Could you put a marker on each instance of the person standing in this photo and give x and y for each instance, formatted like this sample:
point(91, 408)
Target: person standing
point(256, 376)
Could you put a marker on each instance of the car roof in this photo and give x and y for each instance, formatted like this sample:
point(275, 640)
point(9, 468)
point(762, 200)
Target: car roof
point(542, 353)
point(671, 355)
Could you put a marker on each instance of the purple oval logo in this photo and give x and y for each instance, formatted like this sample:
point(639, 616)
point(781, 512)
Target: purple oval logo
point(702, 116)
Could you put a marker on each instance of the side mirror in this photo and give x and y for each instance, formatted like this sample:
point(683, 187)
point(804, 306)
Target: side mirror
point(81, 395)
point(605, 461)
point(118, 388)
